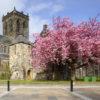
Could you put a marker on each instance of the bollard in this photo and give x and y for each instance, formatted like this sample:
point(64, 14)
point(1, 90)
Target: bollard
point(71, 85)
point(8, 85)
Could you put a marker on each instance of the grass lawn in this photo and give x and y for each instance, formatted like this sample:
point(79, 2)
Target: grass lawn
point(33, 82)
point(30, 82)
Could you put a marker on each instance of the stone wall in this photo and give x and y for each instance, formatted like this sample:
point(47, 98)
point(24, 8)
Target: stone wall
point(20, 60)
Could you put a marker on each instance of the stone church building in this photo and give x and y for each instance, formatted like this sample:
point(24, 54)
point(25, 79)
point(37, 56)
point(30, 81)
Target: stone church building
point(15, 47)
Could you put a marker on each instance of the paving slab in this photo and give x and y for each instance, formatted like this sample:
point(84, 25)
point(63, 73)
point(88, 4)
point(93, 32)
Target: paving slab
point(39, 94)
point(92, 93)
point(50, 93)
point(2, 90)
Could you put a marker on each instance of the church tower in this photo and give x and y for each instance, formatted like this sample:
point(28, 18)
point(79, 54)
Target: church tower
point(15, 23)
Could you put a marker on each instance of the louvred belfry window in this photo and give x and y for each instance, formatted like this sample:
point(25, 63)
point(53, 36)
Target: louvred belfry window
point(18, 25)
point(10, 25)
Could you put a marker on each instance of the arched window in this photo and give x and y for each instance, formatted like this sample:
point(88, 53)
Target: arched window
point(5, 49)
point(10, 25)
point(18, 25)
point(24, 24)
point(1, 48)
point(5, 27)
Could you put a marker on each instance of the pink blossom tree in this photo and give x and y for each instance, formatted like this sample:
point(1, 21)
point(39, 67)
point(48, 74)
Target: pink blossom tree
point(67, 43)
point(55, 47)
point(89, 44)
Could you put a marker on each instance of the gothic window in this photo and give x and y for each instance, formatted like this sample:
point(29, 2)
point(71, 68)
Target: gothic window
point(18, 25)
point(5, 27)
point(10, 25)
point(1, 48)
point(24, 24)
point(5, 49)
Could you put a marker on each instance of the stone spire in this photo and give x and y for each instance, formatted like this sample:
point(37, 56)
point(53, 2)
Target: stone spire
point(45, 26)
point(44, 31)
point(14, 8)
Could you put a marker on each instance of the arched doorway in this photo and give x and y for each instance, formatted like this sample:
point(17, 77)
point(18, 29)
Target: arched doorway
point(29, 74)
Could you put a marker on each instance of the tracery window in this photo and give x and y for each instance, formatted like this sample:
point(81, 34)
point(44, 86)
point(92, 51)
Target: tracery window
point(5, 49)
point(10, 25)
point(5, 27)
point(18, 25)
point(1, 48)
point(24, 24)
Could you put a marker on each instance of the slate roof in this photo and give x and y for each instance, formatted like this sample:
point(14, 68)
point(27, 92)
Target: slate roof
point(5, 40)
point(21, 39)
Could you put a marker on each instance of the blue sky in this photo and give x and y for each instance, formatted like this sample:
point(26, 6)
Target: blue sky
point(42, 11)
point(76, 9)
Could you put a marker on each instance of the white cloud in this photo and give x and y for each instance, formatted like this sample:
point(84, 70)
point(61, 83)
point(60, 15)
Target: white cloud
point(52, 7)
point(39, 7)
point(57, 8)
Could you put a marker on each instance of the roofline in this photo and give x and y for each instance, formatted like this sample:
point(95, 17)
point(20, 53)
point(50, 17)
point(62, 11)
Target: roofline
point(20, 42)
point(15, 12)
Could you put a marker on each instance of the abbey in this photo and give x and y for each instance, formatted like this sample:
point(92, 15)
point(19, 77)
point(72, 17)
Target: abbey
point(15, 47)
point(15, 51)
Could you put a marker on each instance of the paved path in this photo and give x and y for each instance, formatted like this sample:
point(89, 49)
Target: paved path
point(50, 93)
point(39, 94)
point(2, 89)
point(91, 93)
